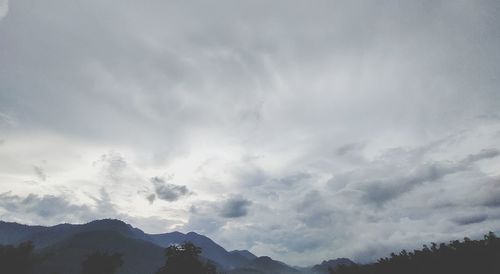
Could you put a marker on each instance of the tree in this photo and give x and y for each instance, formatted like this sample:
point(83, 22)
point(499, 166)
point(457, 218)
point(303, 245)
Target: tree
point(185, 259)
point(468, 256)
point(17, 260)
point(102, 263)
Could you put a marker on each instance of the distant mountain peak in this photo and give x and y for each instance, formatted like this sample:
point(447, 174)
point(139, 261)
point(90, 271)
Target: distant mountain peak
point(337, 261)
point(264, 259)
point(325, 265)
point(108, 220)
point(245, 254)
point(265, 265)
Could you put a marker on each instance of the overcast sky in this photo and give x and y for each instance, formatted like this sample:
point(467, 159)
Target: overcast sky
point(302, 130)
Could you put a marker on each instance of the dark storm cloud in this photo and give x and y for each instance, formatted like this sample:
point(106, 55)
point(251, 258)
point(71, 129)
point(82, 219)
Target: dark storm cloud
point(166, 191)
point(234, 207)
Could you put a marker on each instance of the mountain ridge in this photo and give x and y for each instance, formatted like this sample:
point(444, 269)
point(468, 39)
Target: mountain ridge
point(45, 236)
point(63, 242)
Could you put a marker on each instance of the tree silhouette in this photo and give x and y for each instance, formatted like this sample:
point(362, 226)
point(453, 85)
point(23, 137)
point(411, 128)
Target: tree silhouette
point(17, 260)
point(466, 257)
point(102, 263)
point(185, 259)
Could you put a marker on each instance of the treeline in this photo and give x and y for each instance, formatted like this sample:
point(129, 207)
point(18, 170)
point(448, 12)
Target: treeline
point(17, 259)
point(183, 259)
point(456, 257)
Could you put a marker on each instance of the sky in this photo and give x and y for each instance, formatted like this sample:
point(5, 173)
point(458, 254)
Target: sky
point(301, 130)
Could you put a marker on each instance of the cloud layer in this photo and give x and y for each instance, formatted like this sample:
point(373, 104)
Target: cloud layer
point(296, 130)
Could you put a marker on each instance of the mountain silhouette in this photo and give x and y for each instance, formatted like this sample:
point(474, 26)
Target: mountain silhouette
point(66, 256)
point(323, 267)
point(265, 265)
point(62, 247)
point(210, 249)
point(244, 253)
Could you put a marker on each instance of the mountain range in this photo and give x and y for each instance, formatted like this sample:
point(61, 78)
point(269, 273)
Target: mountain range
point(62, 248)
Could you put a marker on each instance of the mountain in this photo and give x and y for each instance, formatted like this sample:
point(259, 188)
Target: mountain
point(210, 249)
point(66, 256)
point(265, 265)
point(63, 247)
point(46, 236)
point(14, 233)
point(244, 253)
point(49, 237)
point(325, 265)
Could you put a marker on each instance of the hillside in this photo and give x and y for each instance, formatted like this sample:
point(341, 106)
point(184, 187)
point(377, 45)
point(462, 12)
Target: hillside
point(66, 256)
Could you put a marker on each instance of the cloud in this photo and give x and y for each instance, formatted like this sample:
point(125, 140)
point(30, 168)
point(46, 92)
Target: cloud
point(493, 200)
point(7, 121)
point(314, 211)
point(234, 207)
point(151, 198)
point(486, 194)
point(44, 206)
point(213, 218)
point(43, 209)
point(168, 192)
point(350, 149)
point(482, 155)
point(113, 165)
point(55, 209)
point(471, 219)
point(363, 119)
point(290, 180)
point(383, 190)
point(40, 173)
point(4, 8)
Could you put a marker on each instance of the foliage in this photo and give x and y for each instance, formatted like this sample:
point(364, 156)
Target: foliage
point(185, 259)
point(468, 256)
point(102, 263)
point(17, 260)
